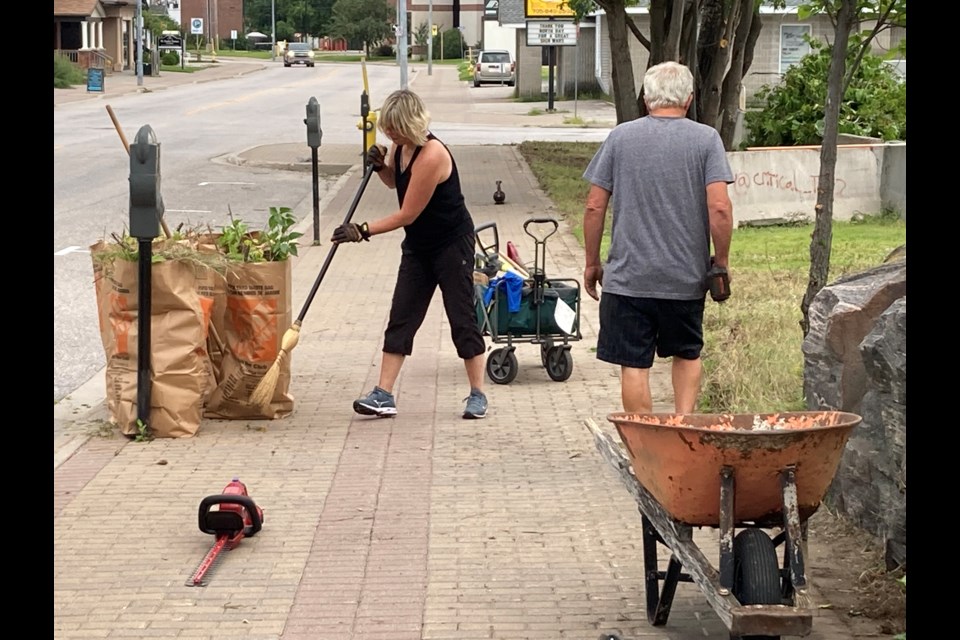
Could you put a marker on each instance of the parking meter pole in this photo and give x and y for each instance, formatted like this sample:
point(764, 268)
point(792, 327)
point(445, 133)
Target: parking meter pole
point(552, 61)
point(146, 209)
point(314, 134)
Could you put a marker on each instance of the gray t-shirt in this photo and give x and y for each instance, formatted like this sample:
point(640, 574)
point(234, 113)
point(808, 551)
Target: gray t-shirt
point(657, 170)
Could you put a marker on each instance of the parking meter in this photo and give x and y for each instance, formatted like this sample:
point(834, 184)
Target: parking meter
point(314, 133)
point(146, 203)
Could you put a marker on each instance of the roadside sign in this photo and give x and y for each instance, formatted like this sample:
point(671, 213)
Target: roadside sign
point(233, 34)
point(95, 80)
point(554, 33)
point(196, 26)
point(170, 41)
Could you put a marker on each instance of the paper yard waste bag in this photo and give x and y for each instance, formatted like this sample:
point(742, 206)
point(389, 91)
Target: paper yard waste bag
point(178, 333)
point(255, 312)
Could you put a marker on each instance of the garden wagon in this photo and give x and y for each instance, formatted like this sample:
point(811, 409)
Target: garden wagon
point(740, 474)
point(542, 301)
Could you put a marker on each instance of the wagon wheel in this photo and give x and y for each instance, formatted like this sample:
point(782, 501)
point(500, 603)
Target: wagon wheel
point(756, 572)
point(502, 365)
point(559, 363)
point(545, 347)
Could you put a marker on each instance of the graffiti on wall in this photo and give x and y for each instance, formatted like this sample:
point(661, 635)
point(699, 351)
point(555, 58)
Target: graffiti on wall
point(803, 185)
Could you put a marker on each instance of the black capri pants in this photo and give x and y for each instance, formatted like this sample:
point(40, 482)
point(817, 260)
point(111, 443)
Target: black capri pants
point(450, 268)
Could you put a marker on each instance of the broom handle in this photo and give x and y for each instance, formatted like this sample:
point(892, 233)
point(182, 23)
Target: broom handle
point(326, 263)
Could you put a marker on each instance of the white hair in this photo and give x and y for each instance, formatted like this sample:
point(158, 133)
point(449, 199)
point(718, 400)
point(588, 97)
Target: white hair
point(667, 85)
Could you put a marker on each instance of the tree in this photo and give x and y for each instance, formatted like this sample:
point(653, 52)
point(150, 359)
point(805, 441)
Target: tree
point(875, 103)
point(845, 15)
point(308, 17)
point(715, 38)
point(366, 20)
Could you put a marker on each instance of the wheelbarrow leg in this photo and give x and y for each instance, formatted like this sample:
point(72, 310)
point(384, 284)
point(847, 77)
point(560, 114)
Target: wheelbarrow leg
point(727, 486)
point(659, 601)
point(795, 532)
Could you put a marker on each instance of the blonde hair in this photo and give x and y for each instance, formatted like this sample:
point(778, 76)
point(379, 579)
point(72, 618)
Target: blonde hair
point(666, 85)
point(404, 113)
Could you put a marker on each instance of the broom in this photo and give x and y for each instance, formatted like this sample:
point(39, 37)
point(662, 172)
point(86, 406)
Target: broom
point(264, 390)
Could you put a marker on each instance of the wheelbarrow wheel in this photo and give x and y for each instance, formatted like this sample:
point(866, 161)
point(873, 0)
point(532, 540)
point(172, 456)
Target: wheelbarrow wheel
point(756, 572)
point(559, 363)
point(502, 365)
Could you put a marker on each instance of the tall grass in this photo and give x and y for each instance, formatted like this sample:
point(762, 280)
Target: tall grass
point(752, 354)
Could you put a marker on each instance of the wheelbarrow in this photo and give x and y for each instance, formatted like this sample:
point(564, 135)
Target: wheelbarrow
point(740, 474)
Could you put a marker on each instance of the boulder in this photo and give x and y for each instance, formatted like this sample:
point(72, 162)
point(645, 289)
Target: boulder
point(855, 360)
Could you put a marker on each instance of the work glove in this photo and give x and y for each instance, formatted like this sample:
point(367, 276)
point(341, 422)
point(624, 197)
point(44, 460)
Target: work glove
point(350, 232)
point(376, 156)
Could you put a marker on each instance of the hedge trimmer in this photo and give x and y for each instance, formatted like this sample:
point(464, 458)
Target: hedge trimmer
point(236, 517)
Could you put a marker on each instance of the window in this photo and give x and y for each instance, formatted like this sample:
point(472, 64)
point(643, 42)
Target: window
point(793, 45)
point(497, 56)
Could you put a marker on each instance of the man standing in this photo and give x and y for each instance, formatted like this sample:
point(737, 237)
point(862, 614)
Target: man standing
point(668, 178)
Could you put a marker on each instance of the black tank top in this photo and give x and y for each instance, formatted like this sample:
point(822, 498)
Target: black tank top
point(444, 219)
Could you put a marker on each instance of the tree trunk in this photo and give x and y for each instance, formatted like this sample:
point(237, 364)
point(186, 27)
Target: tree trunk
point(691, 24)
point(730, 99)
point(624, 100)
point(822, 238)
point(712, 79)
point(671, 47)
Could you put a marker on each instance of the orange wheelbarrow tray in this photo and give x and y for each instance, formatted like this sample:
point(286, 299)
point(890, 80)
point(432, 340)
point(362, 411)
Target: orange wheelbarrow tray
point(740, 474)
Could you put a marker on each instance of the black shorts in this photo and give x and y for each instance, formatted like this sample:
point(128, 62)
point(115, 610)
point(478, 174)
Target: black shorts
point(633, 329)
point(450, 268)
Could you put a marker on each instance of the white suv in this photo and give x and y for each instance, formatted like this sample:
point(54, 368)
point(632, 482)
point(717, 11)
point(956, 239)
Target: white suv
point(494, 65)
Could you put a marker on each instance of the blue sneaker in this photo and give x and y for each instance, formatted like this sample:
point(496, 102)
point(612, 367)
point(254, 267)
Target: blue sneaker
point(378, 403)
point(476, 405)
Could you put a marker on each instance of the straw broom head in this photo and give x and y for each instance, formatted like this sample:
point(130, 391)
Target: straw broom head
point(263, 393)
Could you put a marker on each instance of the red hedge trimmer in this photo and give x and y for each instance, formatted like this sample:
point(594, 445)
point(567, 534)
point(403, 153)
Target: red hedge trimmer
point(236, 517)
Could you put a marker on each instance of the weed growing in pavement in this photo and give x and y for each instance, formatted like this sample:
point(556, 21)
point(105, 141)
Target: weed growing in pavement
point(143, 432)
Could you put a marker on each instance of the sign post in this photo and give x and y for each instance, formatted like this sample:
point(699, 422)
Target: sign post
point(196, 28)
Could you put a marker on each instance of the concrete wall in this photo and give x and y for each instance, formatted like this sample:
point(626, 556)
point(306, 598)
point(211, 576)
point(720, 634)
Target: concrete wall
point(893, 182)
point(771, 184)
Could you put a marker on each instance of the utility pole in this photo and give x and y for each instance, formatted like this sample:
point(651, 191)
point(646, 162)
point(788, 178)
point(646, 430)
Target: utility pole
point(273, 30)
point(402, 29)
point(138, 34)
point(430, 39)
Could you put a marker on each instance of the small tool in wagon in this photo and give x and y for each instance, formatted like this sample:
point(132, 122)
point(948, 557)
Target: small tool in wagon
point(237, 517)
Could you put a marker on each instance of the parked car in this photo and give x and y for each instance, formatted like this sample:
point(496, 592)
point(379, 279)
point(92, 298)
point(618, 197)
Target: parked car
point(494, 65)
point(298, 53)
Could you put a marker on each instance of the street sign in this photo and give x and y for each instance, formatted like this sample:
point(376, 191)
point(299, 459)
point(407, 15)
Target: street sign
point(434, 30)
point(554, 33)
point(170, 41)
point(491, 8)
point(196, 26)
